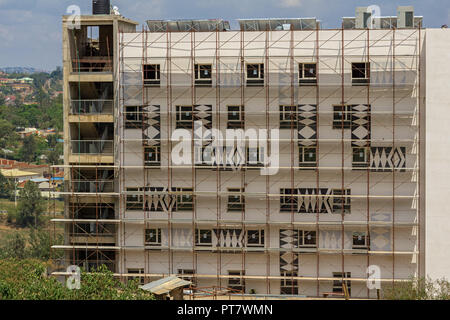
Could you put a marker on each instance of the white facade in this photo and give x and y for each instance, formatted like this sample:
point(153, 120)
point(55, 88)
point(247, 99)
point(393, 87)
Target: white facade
point(392, 200)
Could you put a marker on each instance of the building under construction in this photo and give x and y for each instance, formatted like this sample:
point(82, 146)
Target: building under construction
point(347, 198)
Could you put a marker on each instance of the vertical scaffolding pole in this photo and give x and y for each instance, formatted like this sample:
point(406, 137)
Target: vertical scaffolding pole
point(218, 171)
point(193, 145)
point(393, 149)
point(317, 159)
point(267, 91)
point(367, 151)
point(169, 130)
point(344, 109)
point(294, 105)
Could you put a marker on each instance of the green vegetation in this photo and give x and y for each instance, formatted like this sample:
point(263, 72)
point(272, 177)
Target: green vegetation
point(6, 187)
point(28, 280)
point(28, 244)
point(43, 110)
point(419, 289)
point(31, 206)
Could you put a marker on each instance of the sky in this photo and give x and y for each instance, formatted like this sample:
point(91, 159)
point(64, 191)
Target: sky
point(30, 30)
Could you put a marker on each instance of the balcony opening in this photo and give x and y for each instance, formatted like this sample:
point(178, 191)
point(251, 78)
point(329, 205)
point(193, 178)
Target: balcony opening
point(91, 181)
point(82, 210)
point(89, 98)
point(93, 138)
point(91, 260)
point(92, 48)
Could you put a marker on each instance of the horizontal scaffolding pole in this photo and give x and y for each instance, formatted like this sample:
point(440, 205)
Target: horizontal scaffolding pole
point(234, 250)
point(247, 277)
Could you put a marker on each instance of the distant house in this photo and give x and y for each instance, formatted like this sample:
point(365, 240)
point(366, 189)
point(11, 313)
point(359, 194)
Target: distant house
point(27, 132)
point(10, 99)
point(20, 86)
point(7, 164)
point(26, 80)
point(18, 175)
point(5, 81)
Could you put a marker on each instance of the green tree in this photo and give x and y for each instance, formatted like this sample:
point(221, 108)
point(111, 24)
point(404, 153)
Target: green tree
point(8, 136)
point(40, 243)
point(28, 280)
point(28, 152)
point(5, 187)
point(418, 289)
point(13, 246)
point(30, 206)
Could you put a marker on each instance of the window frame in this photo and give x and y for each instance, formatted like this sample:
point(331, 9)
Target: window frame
point(182, 203)
point(137, 115)
point(341, 200)
point(238, 276)
point(364, 163)
point(364, 237)
point(137, 271)
point(238, 205)
point(199, 238)
point(199, 79)
point(259, 235)
point(302, 78)
point(337, 284)
point(182, 123)
point(157, 153)
point(257, 80)
point(292, 204)
point(346, 120)
point(289, 118)
point(287, 284)
point(360, 80)
point(302, 153)
point(259, 154)
point(301, 239)
point(156, 81)
point(182, 275)
point(156, 243)
point(235, 124)
point(131, 205)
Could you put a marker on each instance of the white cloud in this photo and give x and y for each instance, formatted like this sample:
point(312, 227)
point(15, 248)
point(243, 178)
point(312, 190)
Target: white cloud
point(290, 3)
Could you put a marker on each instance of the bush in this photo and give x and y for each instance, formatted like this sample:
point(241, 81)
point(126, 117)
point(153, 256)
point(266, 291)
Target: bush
point(419, 289)
point(28, 280)
point(14, 246)
point(11, 217)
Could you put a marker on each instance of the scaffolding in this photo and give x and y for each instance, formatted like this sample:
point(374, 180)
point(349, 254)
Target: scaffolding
point(392, 110)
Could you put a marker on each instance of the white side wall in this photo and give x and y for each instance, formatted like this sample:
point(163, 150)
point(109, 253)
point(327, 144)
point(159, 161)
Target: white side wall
point(437, 206)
